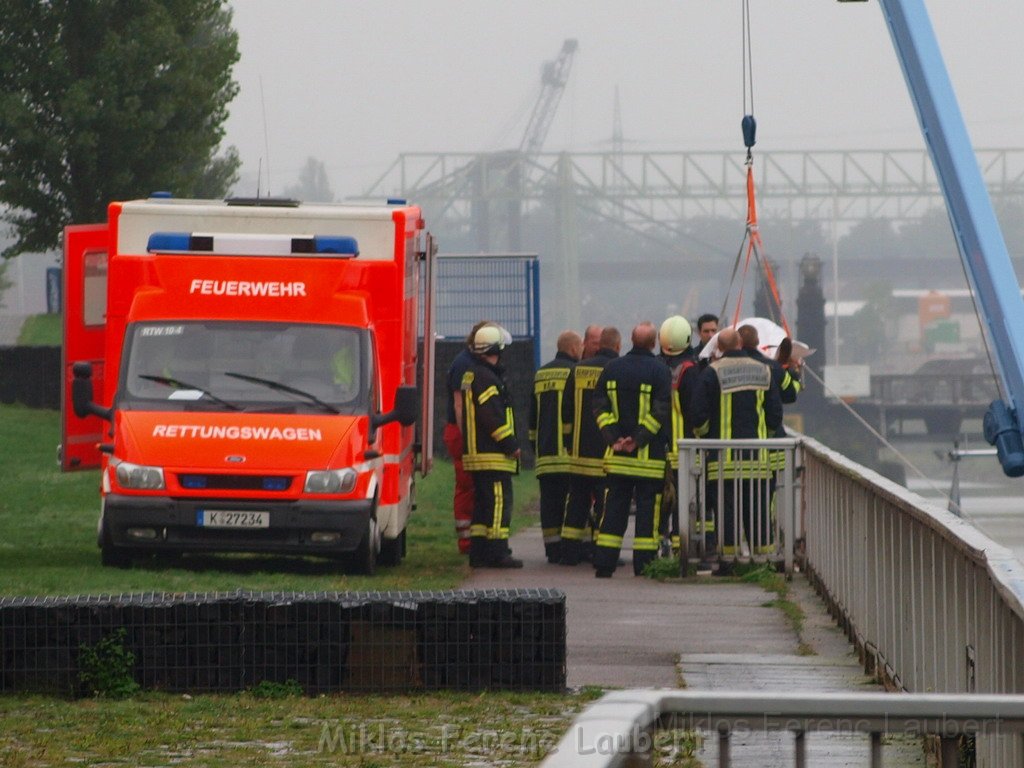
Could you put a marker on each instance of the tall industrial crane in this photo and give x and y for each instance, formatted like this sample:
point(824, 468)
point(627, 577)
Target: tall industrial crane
point(496, 181)
point(554, 76)
point(979, 239)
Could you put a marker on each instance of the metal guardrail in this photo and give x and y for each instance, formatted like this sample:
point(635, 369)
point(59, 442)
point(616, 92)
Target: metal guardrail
point(616, 730)
point(753, 506)
point(930, 602)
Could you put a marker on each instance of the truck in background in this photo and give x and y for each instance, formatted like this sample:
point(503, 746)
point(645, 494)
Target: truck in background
point(243, 372)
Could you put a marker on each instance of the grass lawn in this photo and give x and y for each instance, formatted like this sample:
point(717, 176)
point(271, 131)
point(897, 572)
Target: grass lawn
point(48, 533)
point(428, 729)
point(42, 331)
point(47, 546)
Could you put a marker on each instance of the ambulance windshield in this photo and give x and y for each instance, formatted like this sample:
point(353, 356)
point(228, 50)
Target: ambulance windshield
point(247, 366)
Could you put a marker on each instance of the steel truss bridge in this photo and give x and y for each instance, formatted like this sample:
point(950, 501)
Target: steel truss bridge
point(670, 187)
point(482, 201)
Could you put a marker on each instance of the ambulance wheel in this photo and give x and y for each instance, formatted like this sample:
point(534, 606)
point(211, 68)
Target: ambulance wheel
point(111, 556)
point(364, 560)
point(392, 550)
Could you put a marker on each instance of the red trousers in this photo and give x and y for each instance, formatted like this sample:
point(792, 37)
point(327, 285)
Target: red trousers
point(464, 497)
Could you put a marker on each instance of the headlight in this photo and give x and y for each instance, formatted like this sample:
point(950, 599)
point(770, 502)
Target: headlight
point(331, 481)
point(140, 477)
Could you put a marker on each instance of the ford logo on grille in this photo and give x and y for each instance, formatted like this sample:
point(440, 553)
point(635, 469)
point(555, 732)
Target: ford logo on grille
point(234, 459)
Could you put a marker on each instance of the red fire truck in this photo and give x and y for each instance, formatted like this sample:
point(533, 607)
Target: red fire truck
point(244, 372)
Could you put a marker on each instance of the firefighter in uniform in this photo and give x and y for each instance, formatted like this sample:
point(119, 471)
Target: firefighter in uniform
point(462, 501)
point(551, 434)
point(674, 341)
point(491, 453)
point(736, 399)
point(632, 405)
point(586, 461)
point(785, 376)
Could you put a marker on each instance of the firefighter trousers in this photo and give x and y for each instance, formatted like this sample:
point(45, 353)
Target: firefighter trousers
point(554, 492)
point(622, 491)
point(492, 514)
point(462, 502)
point(669, 521)
point(583, 511)
point(745, 505)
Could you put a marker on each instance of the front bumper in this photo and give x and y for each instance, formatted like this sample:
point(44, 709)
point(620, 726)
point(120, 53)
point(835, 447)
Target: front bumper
point(291, 529)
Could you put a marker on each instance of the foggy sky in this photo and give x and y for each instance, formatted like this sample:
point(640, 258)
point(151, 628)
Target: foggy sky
point(355, 82)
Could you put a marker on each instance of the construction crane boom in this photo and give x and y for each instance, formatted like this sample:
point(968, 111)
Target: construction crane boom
point(982, 247)
point(554, 76)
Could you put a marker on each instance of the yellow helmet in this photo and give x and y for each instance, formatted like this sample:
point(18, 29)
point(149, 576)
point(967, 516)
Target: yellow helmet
point(674, 336)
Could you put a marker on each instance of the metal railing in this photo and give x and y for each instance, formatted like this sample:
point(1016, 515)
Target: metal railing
point(738, 498)
point(617, 730)
point(930, 602)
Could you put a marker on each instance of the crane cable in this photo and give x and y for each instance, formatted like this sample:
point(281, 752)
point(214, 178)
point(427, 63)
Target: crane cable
point(752, 242)
point(878, 435)
point(748, 66)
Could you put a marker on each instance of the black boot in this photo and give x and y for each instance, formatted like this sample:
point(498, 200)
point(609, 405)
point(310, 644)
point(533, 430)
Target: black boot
point(506, 561)
point(553, 551)
point(479, 552)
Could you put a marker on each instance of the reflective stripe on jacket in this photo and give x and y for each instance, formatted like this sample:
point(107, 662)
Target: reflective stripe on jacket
point(736, 399)
point(489, 424)
point(633, 399)
point(586, 456)
point(551, 415)
point(685, 373)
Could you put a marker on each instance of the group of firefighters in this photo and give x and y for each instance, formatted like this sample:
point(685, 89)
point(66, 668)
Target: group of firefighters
point(604, 428)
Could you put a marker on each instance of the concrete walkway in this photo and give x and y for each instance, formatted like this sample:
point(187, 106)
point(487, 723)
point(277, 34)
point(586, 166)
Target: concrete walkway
point(630, 631)
point(707, 634)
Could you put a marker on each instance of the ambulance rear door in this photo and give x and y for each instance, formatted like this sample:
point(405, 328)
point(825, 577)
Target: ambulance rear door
point(85, 316)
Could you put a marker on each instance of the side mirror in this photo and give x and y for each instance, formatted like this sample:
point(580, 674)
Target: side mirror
point(405, 411)
point(407, 404)
point(81, 393)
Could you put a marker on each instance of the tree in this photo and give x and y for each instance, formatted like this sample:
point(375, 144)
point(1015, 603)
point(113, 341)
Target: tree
point(110, 99)
point(313, 186)
point(866, 333)
point(4, 282)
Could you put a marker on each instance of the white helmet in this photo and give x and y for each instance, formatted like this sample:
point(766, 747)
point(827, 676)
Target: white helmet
point(674, 336)
point(489, 340)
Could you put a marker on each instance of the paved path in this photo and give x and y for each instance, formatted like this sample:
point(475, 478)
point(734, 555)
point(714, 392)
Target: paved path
point(707, 634)
point(630, 631)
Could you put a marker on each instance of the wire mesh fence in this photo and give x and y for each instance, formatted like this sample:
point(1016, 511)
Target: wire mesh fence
point(324, 641)
point(501, 287)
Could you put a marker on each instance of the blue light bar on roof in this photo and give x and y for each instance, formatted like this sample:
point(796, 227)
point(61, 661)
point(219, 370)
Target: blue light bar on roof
point(169, 242)
point(253, 245)
point(339, 244)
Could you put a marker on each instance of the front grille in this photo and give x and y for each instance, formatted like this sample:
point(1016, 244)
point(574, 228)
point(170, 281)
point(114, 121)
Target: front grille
point(235, 482)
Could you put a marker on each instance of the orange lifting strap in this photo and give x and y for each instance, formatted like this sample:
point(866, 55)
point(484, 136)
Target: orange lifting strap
point(754, 248)
point(752, 238)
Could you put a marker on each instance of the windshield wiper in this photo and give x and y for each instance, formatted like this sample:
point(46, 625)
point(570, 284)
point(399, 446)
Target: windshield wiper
point(167, 381)
point(278, 386)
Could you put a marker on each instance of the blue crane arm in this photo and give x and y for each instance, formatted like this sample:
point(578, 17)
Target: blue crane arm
point(982, 247)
